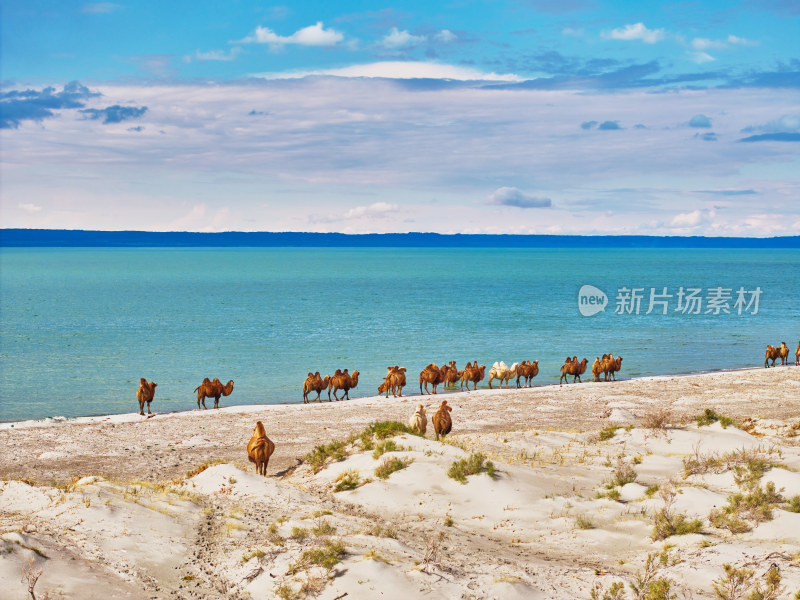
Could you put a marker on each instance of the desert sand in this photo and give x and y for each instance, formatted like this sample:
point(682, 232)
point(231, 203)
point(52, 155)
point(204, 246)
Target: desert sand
point(590, 486)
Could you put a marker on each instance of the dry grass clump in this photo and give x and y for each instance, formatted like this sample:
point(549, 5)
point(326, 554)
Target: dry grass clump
point(624, 473)
point(383, 447)
point(472, 465)
point(753, 460)
point(349, 480)
point(326, 556)
point(656, 419)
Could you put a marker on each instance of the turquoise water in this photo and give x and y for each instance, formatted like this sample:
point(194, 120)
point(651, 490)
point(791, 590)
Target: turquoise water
point(80, 326)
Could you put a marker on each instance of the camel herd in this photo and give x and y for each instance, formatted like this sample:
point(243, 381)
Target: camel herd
point(448, 375)
point(773, 353)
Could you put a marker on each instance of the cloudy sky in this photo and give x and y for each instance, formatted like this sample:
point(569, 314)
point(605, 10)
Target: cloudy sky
point(493, 116)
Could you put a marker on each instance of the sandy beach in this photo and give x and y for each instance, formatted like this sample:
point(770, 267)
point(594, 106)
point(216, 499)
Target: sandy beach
point(587, 481)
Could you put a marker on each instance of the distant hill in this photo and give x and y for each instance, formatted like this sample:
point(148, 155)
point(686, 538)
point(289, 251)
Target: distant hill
point(81, 238)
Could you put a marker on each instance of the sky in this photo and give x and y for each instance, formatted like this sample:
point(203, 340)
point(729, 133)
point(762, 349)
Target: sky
point(498, 116)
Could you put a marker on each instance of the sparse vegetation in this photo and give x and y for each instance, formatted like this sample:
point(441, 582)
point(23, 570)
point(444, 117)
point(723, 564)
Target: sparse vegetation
point(349, 480)
point(794, 504)
point(383, 447)
point(646, 584)
point(608, 432)
point(754, 504)
point(390, 465)
point(320, 455)
point(709, 416)
point(472, 465)
point(740, 581)
point(666, 522)
point(623, 473)
point(656, 419)
point(257, 553)
point(322, 528)
point(326, 556)
point(584, 522)
point(299, 533)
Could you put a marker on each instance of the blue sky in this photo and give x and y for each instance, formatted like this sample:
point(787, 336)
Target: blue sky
point(506, 116)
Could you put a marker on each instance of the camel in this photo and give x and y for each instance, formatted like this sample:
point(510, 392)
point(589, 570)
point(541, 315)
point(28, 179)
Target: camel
point(260, 448)
point(596, 368)
point(797, 355)
point(502, 373)
point(419, 420)
point(442, 423)
point(473, 373)
point(784, 353)
point(451, 374)
point(395, 381)
point(342, 381)
point(528, 370)
point(212, 389)
point(314, 383)
point(430, 374)
point(572, 367)
point(145, 393)
point(772, 353)
point(617, 366)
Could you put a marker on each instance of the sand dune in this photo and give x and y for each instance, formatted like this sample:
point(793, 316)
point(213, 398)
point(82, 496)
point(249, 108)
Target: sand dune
point(586, 482)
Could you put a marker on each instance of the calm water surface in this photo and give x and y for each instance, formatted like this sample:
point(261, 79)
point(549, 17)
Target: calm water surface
point(80, 326)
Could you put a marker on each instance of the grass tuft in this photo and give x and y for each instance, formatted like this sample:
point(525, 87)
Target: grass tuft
point(390, 465)
point(472, 465)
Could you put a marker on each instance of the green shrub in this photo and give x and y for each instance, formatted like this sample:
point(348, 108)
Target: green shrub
point(709, 416)
point(608, 432)
point(390, 465)
point(667, 523)
point(383, 447)
point(472, 465)
point(317, 458)
point(327, 557)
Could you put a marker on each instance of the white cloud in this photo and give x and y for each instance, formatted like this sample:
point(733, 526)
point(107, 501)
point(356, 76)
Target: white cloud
point(732, 39)
point(704, 44)
point(637, 31)
point(28, 207)
point(378, 209)
point(313, 35)
point(702, 57)
point(692, 219)
point(397, 39)
point(445, 36)
point(400, 70)
point(219, 55)
point(511, 196)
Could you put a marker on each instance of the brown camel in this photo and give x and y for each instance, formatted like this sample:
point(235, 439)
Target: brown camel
point(145, 393)
point(212, 389)
point(772, 353)
point(572, 367)
point(430, 374)
point(474, 373)
point(260, 448)
point(616, 367)
point(797, 355)
point(451, 374)
point(395, 381)
point(527, 370)
point(784, 353)
point(342, 381)
point(442, 423)
point(597, 368)
point(314, 383)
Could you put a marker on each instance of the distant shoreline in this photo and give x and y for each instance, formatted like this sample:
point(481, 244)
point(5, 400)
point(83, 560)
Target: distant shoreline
point(68, 238)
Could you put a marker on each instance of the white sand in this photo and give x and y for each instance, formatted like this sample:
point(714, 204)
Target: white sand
point(541, 528)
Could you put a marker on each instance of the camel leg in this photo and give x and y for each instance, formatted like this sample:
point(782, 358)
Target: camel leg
point(148, 407)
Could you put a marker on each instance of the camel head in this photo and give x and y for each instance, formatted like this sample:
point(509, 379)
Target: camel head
point(354, 377)
point(259, 430)
point(226, 391)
